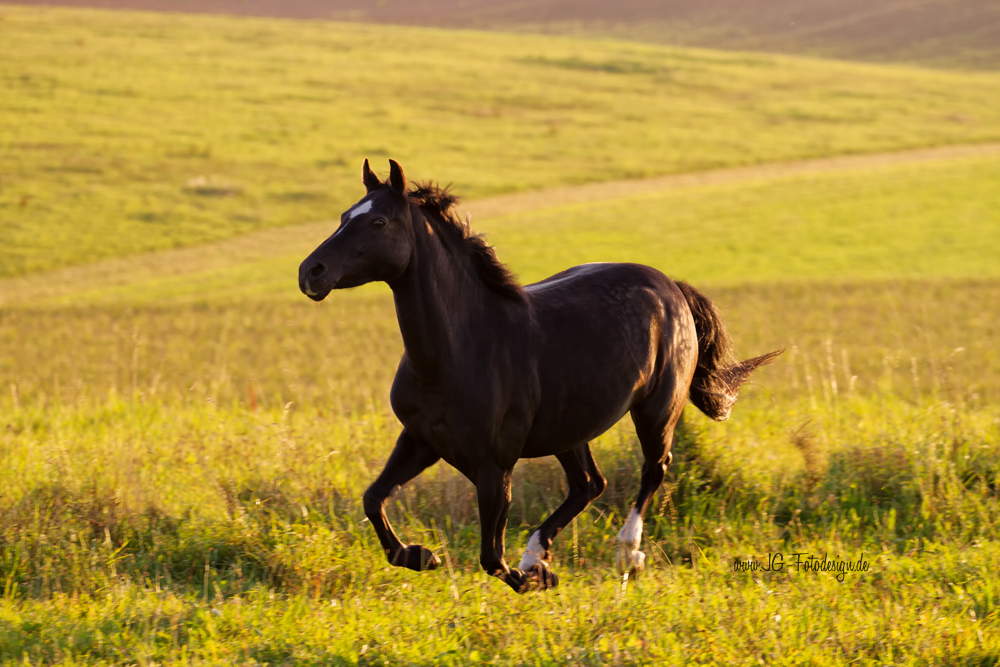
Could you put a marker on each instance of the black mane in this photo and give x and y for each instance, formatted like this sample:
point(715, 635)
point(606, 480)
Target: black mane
point(437, 205)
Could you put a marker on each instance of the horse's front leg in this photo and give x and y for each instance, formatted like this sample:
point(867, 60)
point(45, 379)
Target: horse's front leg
point(493, 490)
point(408, 459)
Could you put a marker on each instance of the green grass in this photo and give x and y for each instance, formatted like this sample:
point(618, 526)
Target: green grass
point(183, 447)
point(707, 615)
point(127, 132)
point(140, 443)
point(938, 219)
point(183, 483)
point(181, 464)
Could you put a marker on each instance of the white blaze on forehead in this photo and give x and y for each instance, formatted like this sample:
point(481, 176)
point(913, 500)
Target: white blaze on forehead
point(533, 553)
point(359, 209)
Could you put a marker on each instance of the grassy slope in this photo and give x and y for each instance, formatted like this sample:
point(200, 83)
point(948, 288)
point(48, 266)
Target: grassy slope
point(151, 441)
point(146, 439)
point(922, 220)
point(938, 219)
point(180, 480)
point(275, 116)
point(943, 33)
point(938, 33)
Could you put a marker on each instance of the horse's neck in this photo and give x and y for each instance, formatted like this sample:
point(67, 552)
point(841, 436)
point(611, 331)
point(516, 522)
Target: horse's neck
point(439, 300)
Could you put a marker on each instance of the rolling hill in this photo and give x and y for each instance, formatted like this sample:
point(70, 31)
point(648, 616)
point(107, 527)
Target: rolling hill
point(211, 127)
point(942, 33)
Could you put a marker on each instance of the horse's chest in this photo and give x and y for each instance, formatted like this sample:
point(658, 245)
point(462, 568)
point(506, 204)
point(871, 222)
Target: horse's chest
point(423, 411)
point(453, 422)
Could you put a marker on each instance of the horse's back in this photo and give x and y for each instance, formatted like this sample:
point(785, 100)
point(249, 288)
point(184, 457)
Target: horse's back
point(590, 294)
point(590, 278)
point(605, 333)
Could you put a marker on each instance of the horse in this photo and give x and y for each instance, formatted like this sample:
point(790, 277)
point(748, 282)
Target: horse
point(493, 371)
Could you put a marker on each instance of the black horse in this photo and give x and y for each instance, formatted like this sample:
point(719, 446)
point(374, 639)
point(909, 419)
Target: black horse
point(494, 372)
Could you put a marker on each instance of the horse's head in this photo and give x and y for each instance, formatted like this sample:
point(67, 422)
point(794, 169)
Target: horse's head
point(373, 242)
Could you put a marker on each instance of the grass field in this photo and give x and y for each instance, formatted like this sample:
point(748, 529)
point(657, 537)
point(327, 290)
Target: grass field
point(940, 33)
point(208, 127)
point(143, 442)
point(184, 438)
point(927, 219)
point(183, 483)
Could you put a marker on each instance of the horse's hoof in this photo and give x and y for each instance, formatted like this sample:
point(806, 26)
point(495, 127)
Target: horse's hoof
point(538, 578)
point(630, 561)
point(518, 580)
point(544, 577)
point(415, 557)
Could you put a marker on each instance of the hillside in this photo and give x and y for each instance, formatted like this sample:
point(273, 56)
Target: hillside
point(942, 33)
point(210, 127)
point(185, 438)
point(918, 215)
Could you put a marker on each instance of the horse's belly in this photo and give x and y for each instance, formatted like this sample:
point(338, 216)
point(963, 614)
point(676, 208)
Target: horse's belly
point(578, 411)
point(569, 434)
point(607, 332)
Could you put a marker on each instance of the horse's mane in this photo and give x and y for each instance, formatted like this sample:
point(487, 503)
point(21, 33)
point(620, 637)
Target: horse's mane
point(437, 205)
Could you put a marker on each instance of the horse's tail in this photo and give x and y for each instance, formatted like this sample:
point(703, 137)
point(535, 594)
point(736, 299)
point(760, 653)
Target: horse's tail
point(718, 376)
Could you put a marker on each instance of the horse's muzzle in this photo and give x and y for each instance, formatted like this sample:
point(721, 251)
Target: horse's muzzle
point(308, 291)
point(314, 282)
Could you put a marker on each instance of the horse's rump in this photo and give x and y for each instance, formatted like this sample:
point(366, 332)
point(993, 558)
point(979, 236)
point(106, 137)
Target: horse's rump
point(606, 333)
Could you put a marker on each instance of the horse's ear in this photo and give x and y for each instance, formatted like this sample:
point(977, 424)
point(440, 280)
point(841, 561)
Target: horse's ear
point(369, 177)
point(397, 180)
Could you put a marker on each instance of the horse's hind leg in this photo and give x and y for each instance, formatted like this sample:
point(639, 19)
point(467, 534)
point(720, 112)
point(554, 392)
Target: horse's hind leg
point(585, 484)
point(654, 421)
point(408, 459)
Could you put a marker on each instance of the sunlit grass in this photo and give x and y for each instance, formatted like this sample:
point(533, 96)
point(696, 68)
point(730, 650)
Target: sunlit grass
point(183, 449)
point(232, 535)
point(906, 221)
point(937, 218)
point(182, 481)
point(209, 127)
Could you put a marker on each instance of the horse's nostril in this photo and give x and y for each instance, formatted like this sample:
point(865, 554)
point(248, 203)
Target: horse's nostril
point(317, 270)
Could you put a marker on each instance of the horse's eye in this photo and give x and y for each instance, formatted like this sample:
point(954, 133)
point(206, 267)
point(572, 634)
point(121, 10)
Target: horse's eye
point(378, 223)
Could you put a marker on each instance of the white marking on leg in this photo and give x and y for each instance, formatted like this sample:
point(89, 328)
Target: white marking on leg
point(359, 209)
point(533, 553)
point(628, 555)
point(631, 533)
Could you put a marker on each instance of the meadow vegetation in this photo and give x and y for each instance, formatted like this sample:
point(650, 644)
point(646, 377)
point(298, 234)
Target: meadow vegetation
point(185, 481)
point(939, 33)
point(124, 132)
point(912, 220)
point(182, 481)
point(183, 450)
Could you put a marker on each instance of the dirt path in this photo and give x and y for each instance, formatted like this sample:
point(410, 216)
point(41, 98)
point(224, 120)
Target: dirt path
point(299, 240)
point(529, 201)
